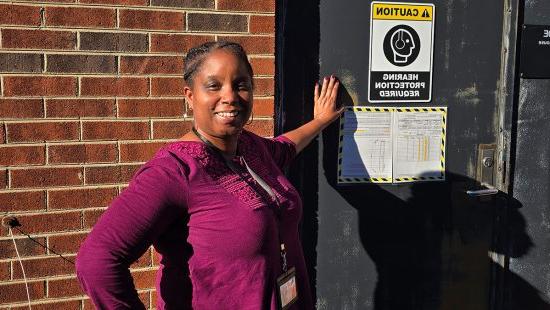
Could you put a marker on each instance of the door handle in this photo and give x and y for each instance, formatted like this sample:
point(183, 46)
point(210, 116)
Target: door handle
point(487, 191)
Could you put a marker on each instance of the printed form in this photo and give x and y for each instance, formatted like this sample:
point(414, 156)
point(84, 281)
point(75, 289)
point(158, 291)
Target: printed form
point(384, 145)
point(367, 145)
point(417, 145)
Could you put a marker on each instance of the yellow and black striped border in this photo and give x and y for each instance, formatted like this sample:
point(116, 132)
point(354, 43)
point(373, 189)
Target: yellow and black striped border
point(442, 110)
point(427, 109)
point(441, 177)
point(342, 180)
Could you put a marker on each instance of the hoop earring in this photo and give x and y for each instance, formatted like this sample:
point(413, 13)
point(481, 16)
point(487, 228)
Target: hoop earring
point(251, 118)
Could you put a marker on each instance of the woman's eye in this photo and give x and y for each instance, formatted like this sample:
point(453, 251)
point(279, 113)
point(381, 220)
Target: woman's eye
point(212, 86)
point(244, 86)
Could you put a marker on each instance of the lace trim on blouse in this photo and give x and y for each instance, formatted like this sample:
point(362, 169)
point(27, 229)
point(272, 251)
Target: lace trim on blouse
point(243, 187)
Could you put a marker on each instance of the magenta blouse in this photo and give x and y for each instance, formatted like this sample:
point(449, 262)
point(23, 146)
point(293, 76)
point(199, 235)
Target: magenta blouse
point(215, 231)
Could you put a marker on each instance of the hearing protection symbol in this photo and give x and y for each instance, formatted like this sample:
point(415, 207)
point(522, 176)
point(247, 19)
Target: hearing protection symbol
point(401, 45)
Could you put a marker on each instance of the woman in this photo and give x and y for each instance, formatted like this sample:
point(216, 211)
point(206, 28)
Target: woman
point(215, 205)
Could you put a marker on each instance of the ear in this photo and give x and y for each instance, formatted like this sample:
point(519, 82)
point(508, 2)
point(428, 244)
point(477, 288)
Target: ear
point(188, 93)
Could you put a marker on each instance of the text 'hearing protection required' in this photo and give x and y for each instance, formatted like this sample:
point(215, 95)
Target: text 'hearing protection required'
point(401, 52)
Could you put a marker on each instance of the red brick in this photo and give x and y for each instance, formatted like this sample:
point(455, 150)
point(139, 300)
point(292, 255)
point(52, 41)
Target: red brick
point(203, 4)
point(244, 5)
point(66, 244)
point(25, 247)
point(23, 201)
point(57, 305)
point(110, 174)
point(5, 271)
point(48, 223)
point(43, 131)
point(151, 20)
point(144, 261)
point(116, 42)
point(88, 305)
point(90, 217)
point(151, 64)
point(81, 64)
point(38, 39)
point(22, 155)
point(82, 153)
point(117, 2)
point(64, 288)
point(254, 45)
point(156, 258)
point(264, 87)
point(39, 86)
point(16, 292)
point(177, 43)
point(217, 22)
point(145, 298)
point(167, 86)
point(81, 198)
point(2, 133)
point(262, 128)
point(170, 129)
point(107, 86)
point(11, 14)
point(263, 107)
point(80, 17)
point(151, 107)
point(46, 177)
point(21, 62)
point(263, 66)
point(45, 267)
point(262, 24)
point(60, 1)
point(3, 178)
point(116, 130)
point(144, 279)
point(153, 298)
point(137, 152)
point(21, 108)
point(80, 107)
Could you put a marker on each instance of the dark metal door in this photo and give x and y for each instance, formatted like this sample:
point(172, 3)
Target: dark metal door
point(408, 246)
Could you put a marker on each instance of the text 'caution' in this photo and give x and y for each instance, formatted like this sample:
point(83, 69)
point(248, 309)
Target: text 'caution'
point(402, 12)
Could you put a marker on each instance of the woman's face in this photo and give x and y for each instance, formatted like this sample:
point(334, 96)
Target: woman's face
point(221, 95)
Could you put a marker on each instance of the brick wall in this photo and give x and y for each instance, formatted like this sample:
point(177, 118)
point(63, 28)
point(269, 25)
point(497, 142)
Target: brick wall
point(90, 89)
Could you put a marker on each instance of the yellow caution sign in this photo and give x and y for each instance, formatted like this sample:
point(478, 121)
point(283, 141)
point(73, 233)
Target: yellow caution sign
point(396, 11)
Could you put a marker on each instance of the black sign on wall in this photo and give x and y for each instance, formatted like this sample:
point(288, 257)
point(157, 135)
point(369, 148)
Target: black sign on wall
point(535, 52)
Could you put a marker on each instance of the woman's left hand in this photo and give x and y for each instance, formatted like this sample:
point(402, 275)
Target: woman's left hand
point(325, 109)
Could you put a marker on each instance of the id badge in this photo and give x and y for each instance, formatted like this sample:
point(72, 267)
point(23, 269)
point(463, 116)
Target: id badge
point(287, 289)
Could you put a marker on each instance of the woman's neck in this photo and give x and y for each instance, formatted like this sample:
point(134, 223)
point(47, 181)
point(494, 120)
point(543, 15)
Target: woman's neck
point(227, 146)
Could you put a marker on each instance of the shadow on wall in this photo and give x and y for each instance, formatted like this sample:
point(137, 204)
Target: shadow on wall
point(433, 246)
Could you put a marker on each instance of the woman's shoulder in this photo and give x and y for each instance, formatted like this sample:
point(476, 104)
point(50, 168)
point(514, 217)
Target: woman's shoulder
point(178, 155)
point(249, 137)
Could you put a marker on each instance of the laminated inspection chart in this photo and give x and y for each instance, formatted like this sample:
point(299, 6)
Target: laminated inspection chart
point(392, 145)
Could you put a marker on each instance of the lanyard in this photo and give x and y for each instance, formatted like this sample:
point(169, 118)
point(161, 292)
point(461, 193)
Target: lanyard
point(260, 181)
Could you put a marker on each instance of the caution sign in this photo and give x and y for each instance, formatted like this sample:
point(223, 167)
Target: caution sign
point(401, 52)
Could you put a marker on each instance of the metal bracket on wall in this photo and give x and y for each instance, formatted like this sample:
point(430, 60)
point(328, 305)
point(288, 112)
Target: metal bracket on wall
point(486, 164)
point(485, 174)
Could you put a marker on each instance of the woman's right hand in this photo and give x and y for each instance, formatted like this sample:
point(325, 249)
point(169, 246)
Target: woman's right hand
point(325, 109)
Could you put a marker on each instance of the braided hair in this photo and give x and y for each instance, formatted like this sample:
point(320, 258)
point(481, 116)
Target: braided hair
point(195, 58)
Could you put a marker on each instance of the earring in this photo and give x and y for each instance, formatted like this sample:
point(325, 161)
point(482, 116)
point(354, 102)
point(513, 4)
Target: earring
point(251, 118)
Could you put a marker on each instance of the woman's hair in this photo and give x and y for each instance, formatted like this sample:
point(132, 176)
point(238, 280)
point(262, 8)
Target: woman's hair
point(195, 57)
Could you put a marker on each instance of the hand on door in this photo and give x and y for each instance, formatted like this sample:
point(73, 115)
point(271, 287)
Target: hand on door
point(325, 112)
point(325, 109)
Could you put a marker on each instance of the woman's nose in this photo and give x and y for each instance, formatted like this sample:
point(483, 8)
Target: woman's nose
point(230, 95)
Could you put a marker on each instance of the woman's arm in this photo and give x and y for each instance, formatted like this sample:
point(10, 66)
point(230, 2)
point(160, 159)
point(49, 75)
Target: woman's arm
point(324, 113)
point(152, 202)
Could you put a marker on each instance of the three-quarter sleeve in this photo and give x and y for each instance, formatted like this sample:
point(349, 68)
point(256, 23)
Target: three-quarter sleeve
point(281, 149)
point(155, 198)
